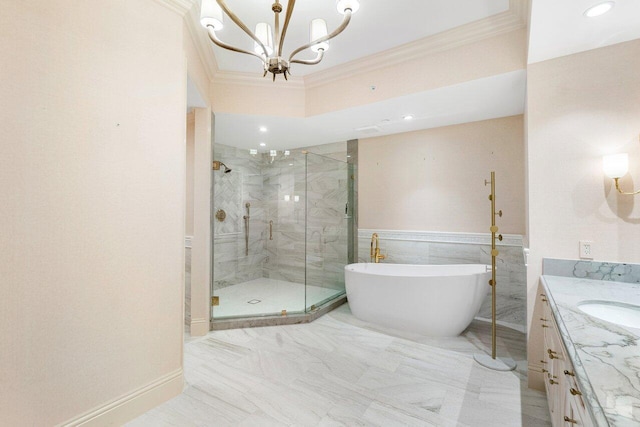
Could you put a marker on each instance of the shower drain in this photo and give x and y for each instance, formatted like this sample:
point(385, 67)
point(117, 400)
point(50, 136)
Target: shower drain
point(254, 301)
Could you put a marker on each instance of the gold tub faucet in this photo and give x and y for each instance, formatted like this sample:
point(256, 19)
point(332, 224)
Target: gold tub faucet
point(375, 254)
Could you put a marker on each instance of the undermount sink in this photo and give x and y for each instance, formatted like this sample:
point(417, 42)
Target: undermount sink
point(615, 312)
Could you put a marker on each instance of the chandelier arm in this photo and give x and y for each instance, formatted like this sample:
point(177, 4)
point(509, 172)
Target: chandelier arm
point(244, 28)
point(214, 38)
point(343, 25)
point(315, 61)
point(276, 20)
point(624, 192)
point(287, 18)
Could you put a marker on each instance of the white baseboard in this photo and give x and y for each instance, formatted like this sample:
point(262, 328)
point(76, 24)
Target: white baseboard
point(128, 407)
point(199, 327)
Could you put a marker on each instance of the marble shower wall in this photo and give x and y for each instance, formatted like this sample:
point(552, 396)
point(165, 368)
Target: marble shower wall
point(232, 191)
point(415, 247)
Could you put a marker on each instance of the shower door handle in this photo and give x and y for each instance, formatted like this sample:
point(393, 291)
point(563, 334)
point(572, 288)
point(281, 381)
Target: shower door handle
point(246, 229)
point(271, 230)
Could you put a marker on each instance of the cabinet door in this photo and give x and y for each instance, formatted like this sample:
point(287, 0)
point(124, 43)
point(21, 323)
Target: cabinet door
point(574, 412)
point(556, 363)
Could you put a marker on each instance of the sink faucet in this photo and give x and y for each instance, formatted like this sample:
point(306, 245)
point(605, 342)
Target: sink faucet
point(375, 254)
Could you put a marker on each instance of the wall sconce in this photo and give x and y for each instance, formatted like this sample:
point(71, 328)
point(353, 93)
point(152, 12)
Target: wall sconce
point(616, 166)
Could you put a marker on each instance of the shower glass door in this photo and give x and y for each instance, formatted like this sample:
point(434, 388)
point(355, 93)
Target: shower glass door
point(258, 243)
point(280, 232)
point(284, 192)
point(327, 228)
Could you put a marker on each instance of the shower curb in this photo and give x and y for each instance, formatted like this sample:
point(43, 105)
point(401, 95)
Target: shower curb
point(290, 319)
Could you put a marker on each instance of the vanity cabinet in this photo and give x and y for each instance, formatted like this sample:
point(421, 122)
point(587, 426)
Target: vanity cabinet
point(566, 405)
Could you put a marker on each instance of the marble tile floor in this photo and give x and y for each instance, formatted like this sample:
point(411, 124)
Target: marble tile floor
point(267, 296)
point(339, 371)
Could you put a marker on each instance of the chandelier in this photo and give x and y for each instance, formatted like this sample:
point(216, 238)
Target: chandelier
point(271, 55)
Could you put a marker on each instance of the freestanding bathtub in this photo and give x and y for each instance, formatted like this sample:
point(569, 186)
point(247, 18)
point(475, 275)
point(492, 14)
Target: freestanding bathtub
point(432, 300)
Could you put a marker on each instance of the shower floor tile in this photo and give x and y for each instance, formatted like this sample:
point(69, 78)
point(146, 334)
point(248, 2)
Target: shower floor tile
point(340, 371)
point(272, 297)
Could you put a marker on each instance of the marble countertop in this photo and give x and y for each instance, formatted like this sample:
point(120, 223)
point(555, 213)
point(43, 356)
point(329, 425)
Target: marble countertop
point(605, 356)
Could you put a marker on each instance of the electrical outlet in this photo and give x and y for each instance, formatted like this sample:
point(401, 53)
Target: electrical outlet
point(586, 249)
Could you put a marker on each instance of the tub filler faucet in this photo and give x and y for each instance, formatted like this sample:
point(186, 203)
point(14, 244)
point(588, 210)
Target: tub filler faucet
point(375, 254)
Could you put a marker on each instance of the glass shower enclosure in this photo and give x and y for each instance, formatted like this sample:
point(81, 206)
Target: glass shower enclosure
point(280, 232)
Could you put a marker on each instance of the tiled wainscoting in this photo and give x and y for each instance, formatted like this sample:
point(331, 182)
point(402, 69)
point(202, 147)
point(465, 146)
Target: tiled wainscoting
point(419, 247)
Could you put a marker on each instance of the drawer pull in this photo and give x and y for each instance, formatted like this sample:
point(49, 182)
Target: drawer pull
point(544, 371)
point(552, 354)
point(575, 392)
point(542, 361)
point(571, 374)
point(552, 381)
point(570, 420)
point(543, 295)
point(544, 320)
point(545, 326)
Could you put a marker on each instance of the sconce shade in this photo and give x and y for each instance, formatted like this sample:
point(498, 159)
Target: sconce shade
point(615, 165)
point(211, 14)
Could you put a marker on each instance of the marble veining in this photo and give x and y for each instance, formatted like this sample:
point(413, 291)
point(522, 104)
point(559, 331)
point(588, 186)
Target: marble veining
point(605, 356)
point(339, 371)
point(596, 270)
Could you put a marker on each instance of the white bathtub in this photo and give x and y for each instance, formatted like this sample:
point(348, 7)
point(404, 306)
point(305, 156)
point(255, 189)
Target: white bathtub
point(433, 300)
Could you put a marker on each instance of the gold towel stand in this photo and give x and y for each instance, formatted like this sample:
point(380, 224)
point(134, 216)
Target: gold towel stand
point(493, 362)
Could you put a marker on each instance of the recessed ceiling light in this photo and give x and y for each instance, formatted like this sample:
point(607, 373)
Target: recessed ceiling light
point(262, 144)
point(599, 9)
point(407, 117)
point(263, 129)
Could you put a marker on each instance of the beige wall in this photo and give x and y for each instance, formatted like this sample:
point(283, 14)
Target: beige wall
point(201, 243)
point(92, 166)
point(433, 180)
point(189, 173)
point(581, 107)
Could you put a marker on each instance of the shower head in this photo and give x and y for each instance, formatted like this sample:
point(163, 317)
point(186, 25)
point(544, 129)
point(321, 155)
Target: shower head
point(217, 164)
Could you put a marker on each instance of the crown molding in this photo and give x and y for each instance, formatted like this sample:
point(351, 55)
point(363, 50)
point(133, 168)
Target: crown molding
point(201, 42)
point(256, 80)
point(514, 18)
point(181, 7)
